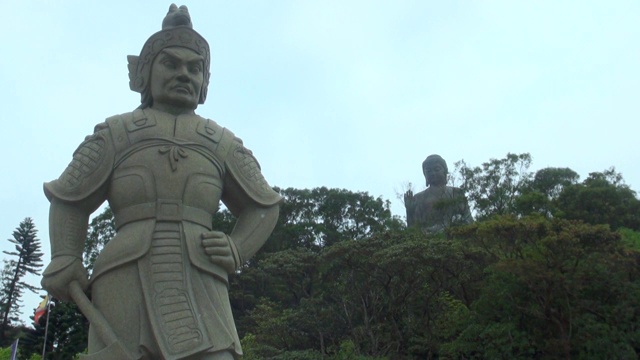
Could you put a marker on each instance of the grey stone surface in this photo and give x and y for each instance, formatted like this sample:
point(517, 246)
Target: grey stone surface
point(439, 206)
point(159, 287)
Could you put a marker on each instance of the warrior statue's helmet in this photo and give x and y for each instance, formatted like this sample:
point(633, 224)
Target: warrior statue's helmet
point(177, 30)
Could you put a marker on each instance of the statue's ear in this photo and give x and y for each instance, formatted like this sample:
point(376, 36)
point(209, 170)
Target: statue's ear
point(205, 89)
point(132, 66)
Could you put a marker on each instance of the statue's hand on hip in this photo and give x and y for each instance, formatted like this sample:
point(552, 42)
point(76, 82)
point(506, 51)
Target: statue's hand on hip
point(221, 250)
point(60, 273)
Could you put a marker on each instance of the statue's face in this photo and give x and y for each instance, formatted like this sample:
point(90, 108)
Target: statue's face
point(435, 174)
point(177, 77)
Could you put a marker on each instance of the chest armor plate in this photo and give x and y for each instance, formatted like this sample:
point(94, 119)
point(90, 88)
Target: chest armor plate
point(166, 159)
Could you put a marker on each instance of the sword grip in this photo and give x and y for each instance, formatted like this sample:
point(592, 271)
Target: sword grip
point(94, 316)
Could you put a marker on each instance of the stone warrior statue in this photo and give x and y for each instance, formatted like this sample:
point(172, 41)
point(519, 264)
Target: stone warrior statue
point(439, 206)
point(159, 287)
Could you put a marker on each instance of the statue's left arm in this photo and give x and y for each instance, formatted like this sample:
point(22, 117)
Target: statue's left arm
point(254, 223)
point(252, 201)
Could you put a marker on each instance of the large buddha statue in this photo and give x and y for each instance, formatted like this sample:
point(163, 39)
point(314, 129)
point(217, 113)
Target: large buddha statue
point(439, 206)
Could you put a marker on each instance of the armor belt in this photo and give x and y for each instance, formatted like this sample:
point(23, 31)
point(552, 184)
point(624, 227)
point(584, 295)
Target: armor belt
point(163, 210)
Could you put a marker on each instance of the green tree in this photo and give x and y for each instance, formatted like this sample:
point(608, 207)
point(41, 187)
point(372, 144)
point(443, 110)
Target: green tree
point(309, 221)
point(394, 294)
point(493, 188)
point(401, 294)
point(541, 194)
point(552, 181)
point(556, 289)
point(289, 277)
point(602, 198)
point(27, 260)
point(322, 216)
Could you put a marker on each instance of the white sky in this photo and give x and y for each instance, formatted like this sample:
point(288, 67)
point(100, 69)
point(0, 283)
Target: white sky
point(346, 94)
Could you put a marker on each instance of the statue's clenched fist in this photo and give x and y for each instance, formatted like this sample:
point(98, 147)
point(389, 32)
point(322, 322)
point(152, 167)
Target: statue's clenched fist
point(60, 273)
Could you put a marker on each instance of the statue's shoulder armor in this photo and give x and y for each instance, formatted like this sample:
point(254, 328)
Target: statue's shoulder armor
point(210, 131)
point(125, 128)
point(215, 137)
point(244, 168)
point(88, 170)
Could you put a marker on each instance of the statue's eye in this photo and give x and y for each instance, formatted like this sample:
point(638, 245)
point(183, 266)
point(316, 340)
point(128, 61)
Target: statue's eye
point(195, 69)
point(169, 64)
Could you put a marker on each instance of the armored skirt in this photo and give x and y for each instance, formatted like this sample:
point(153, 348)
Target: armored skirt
point(168, 307)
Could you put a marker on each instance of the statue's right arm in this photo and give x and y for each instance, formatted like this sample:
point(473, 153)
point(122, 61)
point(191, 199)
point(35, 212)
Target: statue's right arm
point(67, 231)
point(76, 194)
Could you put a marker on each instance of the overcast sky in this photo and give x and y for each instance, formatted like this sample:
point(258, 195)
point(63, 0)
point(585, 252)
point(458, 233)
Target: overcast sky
point(346, 94)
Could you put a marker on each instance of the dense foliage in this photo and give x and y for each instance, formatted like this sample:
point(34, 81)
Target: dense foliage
point(505, 186)
point(551, 289)
point(504, 288)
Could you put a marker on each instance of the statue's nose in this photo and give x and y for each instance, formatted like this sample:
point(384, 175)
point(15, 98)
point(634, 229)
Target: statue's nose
point(183, 75)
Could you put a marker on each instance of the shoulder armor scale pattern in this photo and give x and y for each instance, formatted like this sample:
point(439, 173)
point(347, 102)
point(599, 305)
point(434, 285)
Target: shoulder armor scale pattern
point(245, 169)
point(88, 170)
